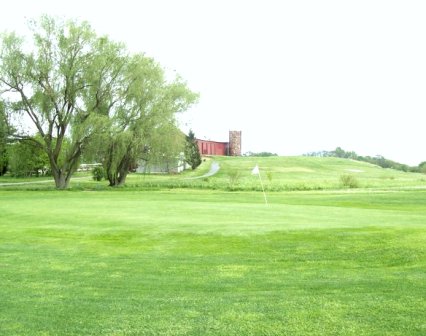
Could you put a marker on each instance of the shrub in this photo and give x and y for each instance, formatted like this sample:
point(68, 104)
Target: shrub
point(349, 181)
point(234, 177)
point(98, 173)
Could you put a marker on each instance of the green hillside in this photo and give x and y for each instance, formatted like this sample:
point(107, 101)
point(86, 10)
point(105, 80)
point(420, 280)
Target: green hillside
point(286, 174)
point(278, 174)
point(315, 173)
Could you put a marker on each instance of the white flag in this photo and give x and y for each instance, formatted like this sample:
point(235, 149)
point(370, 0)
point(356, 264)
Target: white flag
point(255, 170)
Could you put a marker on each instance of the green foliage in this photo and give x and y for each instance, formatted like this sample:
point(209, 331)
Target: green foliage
point(26, 158)
point(192, 152)
point(142, 122)
point(376, 160)
point(340, 153)
point(98, 173)
point(82, 90)
point(166, 149)
point(349, 181)
point(59, 85)
point(422, 167)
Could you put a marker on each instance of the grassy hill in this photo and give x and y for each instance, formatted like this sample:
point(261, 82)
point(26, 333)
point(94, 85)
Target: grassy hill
point(278, 174)
point(284, 174)
point(315, 173)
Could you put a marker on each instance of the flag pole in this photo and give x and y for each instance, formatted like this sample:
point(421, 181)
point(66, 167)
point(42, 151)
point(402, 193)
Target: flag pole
point(263, 189)
point(257, 171)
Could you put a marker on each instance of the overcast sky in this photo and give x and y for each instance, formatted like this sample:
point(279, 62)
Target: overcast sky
point(293, 76)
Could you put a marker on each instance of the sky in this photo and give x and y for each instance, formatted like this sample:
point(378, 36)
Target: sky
point(293, 76)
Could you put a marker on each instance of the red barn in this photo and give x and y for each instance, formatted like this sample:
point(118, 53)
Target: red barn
point(208, 147)
point(232, 148)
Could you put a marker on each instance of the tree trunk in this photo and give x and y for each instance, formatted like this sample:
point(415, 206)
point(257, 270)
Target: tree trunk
point(117, 178)
point(62, 176)
point(112, 180)
point(62, 179)
point(122, 177)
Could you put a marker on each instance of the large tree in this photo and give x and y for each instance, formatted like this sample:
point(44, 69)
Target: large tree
point(60, 84)
point(82, 92)
point(142, 122)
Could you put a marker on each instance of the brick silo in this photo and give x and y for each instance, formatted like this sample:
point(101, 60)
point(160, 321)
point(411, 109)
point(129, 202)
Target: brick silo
point(234, 143)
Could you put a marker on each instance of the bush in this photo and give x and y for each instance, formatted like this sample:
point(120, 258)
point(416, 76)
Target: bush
point(349, 181)
point(98, 173)
point(234, 177)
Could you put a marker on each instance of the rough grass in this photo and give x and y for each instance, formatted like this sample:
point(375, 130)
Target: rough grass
point(278, 174)
point(212, 263)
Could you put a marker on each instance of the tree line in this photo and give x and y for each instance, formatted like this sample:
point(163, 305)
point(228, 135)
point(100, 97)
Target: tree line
point(85, 96)
point(376, 160)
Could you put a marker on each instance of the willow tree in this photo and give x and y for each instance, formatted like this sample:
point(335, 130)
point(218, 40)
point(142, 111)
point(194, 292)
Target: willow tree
point(143, 119)
point(60, 81)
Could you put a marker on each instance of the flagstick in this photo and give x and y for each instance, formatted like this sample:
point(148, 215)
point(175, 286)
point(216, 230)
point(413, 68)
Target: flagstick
point(263, 189)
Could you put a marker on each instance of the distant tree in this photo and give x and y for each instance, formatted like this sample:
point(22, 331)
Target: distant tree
point(422, 167)
point(192, 152)
point(319, 154)
point(167, 147)
point(260, 154)
point(26, 158)
point(378, 160)
point(339, 152)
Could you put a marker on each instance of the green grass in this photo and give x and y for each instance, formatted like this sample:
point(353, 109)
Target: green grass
point(311, 173)
point(278, 174)
point(202, 262)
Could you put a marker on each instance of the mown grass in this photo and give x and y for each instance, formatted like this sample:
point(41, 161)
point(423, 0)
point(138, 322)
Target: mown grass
point(194, 262)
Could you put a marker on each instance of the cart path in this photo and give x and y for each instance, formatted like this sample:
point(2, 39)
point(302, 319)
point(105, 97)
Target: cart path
point(6, 184)
point(214, 168)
